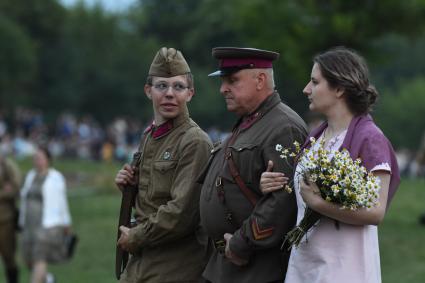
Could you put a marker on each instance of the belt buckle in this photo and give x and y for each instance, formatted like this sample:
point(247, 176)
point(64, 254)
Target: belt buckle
point(220, 246)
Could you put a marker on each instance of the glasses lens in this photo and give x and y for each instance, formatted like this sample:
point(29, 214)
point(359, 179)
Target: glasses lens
point(179, 87)
point(163, 87)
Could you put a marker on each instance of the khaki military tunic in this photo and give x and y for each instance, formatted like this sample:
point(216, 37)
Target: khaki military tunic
point(257, 229)
point(169, 247)
point(9, 173)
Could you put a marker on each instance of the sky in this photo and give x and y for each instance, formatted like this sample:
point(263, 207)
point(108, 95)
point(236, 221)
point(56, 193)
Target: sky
point(110, 5)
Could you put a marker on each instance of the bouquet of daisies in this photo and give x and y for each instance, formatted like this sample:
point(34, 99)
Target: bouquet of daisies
point(341, 180)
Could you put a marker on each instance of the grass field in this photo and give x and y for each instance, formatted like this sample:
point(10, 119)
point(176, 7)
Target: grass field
point(95, 204)
point(402, 238)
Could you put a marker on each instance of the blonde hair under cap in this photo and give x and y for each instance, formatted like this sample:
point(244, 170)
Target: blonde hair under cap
point(168, 62)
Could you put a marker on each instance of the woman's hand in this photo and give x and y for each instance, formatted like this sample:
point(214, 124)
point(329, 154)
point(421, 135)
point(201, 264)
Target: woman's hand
point(310, 192)
point(272, 181)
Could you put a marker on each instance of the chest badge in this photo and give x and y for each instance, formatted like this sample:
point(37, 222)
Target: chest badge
point(167, 155)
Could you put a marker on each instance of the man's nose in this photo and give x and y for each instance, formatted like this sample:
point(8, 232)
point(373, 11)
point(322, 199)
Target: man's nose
point(223, 88)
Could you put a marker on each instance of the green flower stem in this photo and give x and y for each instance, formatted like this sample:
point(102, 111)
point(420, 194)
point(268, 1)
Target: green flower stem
point(294, 237)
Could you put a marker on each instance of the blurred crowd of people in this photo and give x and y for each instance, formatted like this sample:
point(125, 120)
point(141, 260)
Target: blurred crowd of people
point(72, 136)
point(69, 136)
point(84, 137)
point(412, 163)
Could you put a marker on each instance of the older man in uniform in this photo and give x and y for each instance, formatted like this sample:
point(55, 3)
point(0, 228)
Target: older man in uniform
point(10, 181)
point(165, 245)
point(246, 227)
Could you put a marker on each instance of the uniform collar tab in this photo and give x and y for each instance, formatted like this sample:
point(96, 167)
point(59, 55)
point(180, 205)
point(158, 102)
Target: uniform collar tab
point(161, 130)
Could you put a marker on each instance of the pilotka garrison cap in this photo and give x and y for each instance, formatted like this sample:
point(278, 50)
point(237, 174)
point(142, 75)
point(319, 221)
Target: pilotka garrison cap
point(168, 62)
point(234, 59)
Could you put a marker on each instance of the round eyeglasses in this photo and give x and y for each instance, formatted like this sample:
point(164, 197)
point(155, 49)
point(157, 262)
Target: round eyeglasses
point(176, 87)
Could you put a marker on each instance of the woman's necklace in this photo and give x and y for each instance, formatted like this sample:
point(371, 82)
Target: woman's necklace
point(333, 140)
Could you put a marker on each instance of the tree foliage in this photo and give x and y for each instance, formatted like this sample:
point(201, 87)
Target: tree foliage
point(401, 113)
point(91, 61)
point(17, 63)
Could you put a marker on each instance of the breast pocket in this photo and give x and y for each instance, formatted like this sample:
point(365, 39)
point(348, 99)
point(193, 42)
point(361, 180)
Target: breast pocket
point(163, 176)
point(201, 178)
point(247, 160)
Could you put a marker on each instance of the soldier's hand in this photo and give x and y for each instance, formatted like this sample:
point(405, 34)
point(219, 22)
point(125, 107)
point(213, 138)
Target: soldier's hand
point(123, 240)
point(272, 181)
point(126, 176)
point(7, 187)
point(230, 255)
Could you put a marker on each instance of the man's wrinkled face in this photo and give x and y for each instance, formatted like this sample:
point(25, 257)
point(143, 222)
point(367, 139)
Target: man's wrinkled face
point(239, 91)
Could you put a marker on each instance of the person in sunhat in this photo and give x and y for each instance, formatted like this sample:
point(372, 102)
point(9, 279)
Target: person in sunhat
point(165, 245)
point(247, 227)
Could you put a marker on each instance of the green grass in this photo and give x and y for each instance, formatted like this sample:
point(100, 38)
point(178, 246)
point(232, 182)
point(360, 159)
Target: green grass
point(94, 204)
point(402, 238)
point(94, 220)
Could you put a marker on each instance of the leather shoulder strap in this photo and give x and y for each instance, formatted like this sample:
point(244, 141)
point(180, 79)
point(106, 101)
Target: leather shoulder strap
point(234, 171)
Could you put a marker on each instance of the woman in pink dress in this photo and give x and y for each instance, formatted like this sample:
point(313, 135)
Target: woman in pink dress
point(343, 246)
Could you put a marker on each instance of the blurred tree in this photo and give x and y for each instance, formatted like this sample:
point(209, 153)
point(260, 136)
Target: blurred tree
point(399, 76)
point(300, 29)
point(41, 21)
point(102, 66)
point(401, 113)
point(400, 58)
point(95, 62)
point(194, 26)
point(17, 64)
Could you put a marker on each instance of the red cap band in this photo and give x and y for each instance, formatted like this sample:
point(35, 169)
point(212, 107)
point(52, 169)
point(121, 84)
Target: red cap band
point(257, 63)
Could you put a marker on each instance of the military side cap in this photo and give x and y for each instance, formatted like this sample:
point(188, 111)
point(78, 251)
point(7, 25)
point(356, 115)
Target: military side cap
point(168, 62)
point(234, 59)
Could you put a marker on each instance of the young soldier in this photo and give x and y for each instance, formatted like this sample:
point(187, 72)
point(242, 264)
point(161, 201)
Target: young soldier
point(164, 245)
point(10, 181)
point(247, 227)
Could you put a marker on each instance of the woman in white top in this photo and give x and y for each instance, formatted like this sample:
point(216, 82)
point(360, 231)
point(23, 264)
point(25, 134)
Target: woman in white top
point(348, 252)
point(44, 217)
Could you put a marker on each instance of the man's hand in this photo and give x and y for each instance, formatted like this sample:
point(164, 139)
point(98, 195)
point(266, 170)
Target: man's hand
point(123, 240)
point(126, 176)
point(230, 255)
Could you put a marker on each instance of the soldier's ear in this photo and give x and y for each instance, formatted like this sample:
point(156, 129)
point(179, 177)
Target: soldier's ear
point(191, 93)
point(148, 89)
point(261, 80)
